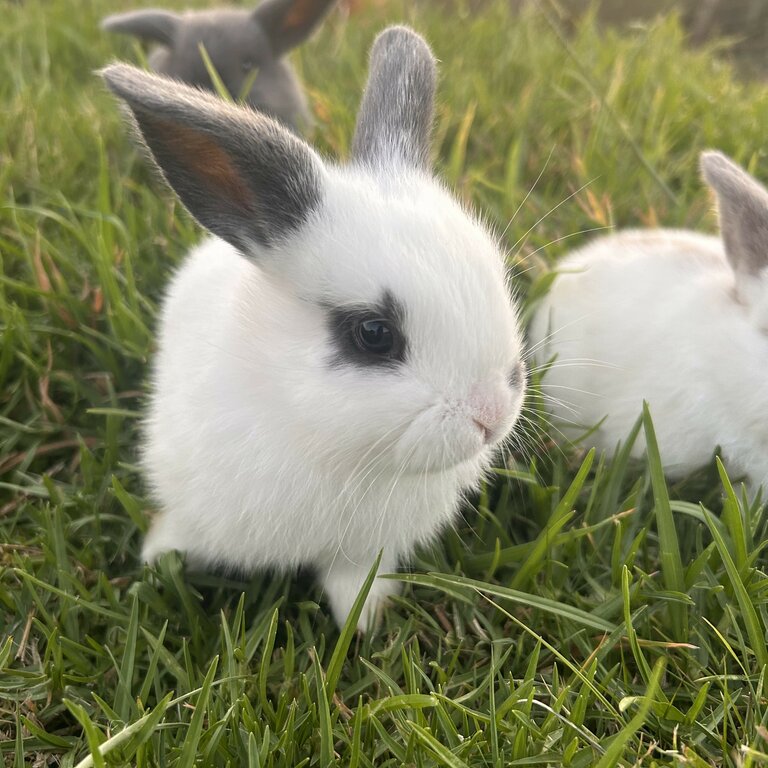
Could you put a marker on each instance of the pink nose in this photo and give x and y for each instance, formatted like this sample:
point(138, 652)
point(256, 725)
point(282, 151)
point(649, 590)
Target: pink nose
point(490, 406)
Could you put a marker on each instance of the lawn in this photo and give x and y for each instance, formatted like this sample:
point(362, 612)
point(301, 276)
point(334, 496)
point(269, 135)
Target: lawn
point(582, 612)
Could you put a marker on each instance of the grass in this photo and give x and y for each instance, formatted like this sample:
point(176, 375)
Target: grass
point(585, 613)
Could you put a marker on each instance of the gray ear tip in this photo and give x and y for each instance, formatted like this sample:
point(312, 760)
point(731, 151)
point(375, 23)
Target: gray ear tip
point(121, 78)
point(116, 22)
point(115, 72)
point(107, 23)
point(723, 175)
point(714, 164)
point(401, 33)
point(400, 41)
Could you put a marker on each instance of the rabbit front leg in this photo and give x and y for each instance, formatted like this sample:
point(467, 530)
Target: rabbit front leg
point(343, 579)
point(168, 533)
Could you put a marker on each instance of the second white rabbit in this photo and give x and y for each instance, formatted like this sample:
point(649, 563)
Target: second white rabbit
point(675, 318)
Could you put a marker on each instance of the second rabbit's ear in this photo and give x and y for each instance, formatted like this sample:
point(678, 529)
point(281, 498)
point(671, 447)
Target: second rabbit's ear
point(152, 25)
point(394, 124)
point(239, 173)
point(287, 23)
point(743, 212)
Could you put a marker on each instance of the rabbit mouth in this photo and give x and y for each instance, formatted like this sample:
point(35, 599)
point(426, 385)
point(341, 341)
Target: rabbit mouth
point(441, 439)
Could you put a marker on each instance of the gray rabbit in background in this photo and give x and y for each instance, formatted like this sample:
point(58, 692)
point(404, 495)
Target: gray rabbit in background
point(239, 44)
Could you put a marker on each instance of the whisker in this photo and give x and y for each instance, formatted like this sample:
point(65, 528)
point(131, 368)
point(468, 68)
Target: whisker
point(565, 237)
point(529, 193)
point(552, 210)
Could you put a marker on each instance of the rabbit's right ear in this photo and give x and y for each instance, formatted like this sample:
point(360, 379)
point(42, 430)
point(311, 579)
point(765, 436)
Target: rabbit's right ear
point(394, 125)
point(156, 26)
point(743, 212)
point(290, 22)
point(239, 173)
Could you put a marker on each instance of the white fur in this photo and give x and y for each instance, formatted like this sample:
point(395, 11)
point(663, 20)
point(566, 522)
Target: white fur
point(264, 454)
point(656, 316)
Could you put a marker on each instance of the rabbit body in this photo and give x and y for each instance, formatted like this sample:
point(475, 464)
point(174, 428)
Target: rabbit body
point(280, 431)
point(671, 317)
point(263, 455)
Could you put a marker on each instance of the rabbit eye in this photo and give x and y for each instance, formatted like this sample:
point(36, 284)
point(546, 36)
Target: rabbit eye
point(375, 336)
point(370, 335)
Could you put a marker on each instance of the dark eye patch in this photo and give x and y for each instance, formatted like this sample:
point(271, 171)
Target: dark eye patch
point(368, 335)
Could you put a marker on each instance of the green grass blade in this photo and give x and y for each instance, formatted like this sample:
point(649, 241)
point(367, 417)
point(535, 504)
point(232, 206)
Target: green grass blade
point(124, 705)
point(640, 659)
point(152, 667)
point(671, 561)
point(446, 582)
point(733, 520)
point(441, 752)
point(188, 755)
point(749, 615)
point(617, 746)
point(348, 630)
point(218, 83)
point(266, 662)
point(92, 734)
point(559, 518)
point(140, 730)
point(324, 714)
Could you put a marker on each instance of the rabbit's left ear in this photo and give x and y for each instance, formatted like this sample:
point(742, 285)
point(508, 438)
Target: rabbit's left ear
point(157, 26)
point(289, 22)
point(241, 175)
point(743, 212)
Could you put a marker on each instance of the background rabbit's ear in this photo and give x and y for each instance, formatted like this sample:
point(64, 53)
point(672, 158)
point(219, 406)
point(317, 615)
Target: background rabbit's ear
point(289, 22)
point(743, 212)
point(240, 174)
point(157, 26)
point(395, 120)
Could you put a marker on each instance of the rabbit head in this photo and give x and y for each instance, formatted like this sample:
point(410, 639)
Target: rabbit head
point(246, 49)
point(742, 204)
point(408, 335)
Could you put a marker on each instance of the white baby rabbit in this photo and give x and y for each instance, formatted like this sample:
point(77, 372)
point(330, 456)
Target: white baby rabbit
point(675, 318)
point(243, 46)
point(344, 362)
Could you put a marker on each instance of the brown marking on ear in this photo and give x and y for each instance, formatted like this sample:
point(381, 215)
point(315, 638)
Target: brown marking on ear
point(301, 12)
point(204, 159)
